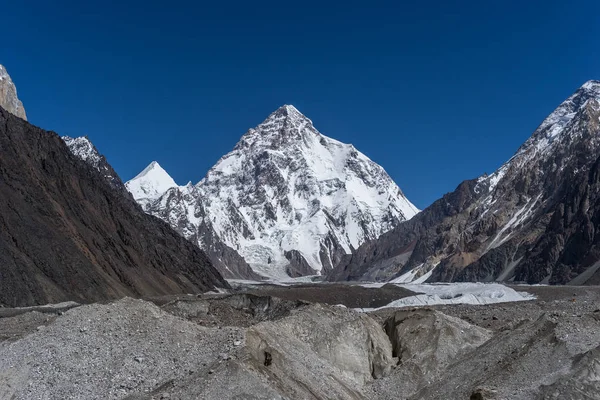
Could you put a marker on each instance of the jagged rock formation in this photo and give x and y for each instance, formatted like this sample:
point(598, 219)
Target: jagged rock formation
point(66, 234)
point(347, 347)
point(289, 200)
point(83, 149)
point(8, 95)
point(426, 342)
point(535, 219)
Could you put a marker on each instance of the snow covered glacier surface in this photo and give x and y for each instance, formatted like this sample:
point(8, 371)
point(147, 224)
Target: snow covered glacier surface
point(286, 193)
point(455, 293)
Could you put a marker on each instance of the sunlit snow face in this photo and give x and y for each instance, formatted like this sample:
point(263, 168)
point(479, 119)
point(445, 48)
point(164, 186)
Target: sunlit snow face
point(286, 187)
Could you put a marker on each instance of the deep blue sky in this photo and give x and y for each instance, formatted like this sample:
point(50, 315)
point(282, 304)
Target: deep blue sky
point(434, 91)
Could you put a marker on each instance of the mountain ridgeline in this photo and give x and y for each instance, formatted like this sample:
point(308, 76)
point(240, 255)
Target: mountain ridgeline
point(288, 201)
point(68, 233)
point(536, 219)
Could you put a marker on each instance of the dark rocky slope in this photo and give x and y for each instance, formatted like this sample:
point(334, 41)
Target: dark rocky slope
point(83, 148)
point(66, 234)
point(535, 219)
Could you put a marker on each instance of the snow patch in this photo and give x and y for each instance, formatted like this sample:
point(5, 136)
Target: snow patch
point(456, 293)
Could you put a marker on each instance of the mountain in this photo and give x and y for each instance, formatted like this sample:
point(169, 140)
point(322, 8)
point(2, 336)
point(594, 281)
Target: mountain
point(150, 184)
point(289, 200)
point(83, 149)
point(536, 219)
point(67, 234)
point(181, 207)
point(8, 95)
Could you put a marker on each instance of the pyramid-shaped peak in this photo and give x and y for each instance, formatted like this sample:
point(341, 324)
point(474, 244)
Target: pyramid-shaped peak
point(151, 183)
point(153, 168)
point(285, 111)
point(290, 109)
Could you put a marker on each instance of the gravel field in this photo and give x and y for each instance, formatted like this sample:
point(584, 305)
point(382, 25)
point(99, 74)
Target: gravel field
point(270, 342)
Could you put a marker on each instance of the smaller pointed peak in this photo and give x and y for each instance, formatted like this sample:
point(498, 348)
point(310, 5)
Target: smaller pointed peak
point(151, 183)
point(154, 165)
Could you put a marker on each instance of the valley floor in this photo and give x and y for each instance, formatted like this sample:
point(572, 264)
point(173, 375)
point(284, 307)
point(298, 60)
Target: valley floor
point(307, 341)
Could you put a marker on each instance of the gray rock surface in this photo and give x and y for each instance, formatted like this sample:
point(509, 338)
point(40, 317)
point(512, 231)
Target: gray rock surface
point(200, 348)
point(427, 341)
point(327, 349)
point(109, 352)
point(67, 234)
point(8, 95)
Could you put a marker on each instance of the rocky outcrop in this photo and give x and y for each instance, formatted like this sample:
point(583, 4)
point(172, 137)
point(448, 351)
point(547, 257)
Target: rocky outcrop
point(582, 382)
point(532, 220)
point(521, 358)
point(67, 234)
point(8, 95)
point(321, 352)
point(427, 341)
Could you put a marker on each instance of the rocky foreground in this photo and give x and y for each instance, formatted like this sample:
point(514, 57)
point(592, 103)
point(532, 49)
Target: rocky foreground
point(250, 345)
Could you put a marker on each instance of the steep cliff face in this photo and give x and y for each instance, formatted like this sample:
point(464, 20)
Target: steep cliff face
point(83, 149)
point(519, 223)
point(289, 200)
point(8, 95)
point(67, 234)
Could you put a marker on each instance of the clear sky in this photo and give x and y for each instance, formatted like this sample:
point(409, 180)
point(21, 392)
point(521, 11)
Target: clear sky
point(434, 91)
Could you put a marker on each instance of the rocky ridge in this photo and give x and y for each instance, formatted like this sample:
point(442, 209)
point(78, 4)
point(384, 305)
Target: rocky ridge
point(67, 234)
point(82, 148)
point(532, 220)
point(8, 95)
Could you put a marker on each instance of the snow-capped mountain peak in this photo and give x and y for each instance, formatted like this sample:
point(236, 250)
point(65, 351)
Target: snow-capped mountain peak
point(550, 135)
point(150, 184)
point(287, 199)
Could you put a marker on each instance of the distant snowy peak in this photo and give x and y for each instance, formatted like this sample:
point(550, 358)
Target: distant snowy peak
point(8, 95)
point(551, 128)
point(289, 200)
point(150, 184)
point(287, 195)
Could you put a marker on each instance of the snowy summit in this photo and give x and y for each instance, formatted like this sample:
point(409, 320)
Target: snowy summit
point(150, 184)
point(288, 199)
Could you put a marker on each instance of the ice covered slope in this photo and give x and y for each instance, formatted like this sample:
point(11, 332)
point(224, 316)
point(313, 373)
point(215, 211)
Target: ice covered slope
point(288, 199)
point(8, 95)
